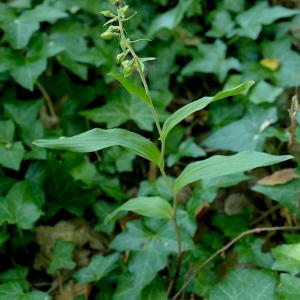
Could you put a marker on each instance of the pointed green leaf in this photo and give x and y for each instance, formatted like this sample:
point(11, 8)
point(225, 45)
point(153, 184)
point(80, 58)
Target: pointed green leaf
point(154, 207)
point(62, 256)
point(287, 258)
point(197, 105)
point(13, 291)
point(97, 139)
point(289, 287)
point(151, 245)
point(121, 110)
point(20, 207)
point(246, 284)
point(11, 155)
point(131, 88)
point(19, 31)
point(224, 165)
point(99, 267)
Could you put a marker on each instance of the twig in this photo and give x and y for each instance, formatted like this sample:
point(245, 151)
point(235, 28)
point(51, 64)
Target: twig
point(48, 100)
point(266, 214)
point(293, 115)
point(194, 272)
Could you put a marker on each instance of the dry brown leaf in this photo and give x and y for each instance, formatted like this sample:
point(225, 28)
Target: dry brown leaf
point(236, 204)
point(77, 231)
point(72, 290)
point(279, 177)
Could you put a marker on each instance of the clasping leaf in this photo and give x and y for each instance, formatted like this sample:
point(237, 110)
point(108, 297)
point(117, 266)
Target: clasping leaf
point(220, 165)
point(197, 105)
point(97, 139)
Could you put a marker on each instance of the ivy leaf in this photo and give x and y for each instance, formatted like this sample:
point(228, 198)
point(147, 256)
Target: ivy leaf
point(287, 74)
point(44, 13)
point(286, 194)
point(212, 59)
point(23, 113)
point(66, 60)
point(230, 225)
point(152, 247)
point(156, 290)
point(11, 155)
point(244, 134)
point(224, 165)
point(19, 31)
point(7, 131)
point(197, 105)
point(16, 274)
point(251, 21)
point(287, 258)
point(188, 148)
point(155, 187)
point(208, 190)
point(13, 291)
point(97, 139)
point(171, 18)
point(62, 256)
point(20, 206)
point(126, 289)
point(99, 267)
point(289, 287)
point(221, 24)
point(121, 110)
point(264, 92)
point(246, 284)
point(153, 207)
point(64, 192)
point(250, 252)
point(27, 70)
point(20, 3)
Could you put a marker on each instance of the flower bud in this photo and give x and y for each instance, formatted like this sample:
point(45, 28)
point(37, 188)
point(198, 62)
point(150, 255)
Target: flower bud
point(120, 57)
point(113, 29)
point(124, 11)
point(126, 63)
point(106, 13)
point(107, 35)
point(118, 2)
point(128, 71)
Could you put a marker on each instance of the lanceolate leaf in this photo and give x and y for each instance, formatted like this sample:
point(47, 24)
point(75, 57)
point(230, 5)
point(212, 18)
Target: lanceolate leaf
point(132, 88)
point(224, 165)
point(97, 139)
point(154, 207)
point(195, 106)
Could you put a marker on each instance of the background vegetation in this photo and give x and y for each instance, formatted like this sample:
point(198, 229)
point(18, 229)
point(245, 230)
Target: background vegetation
point(53, 82)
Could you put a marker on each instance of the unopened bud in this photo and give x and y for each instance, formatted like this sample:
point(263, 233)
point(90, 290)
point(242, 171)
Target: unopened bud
point(106, 13)
point(120, 57)
point(128, 71)
point(107, 35)
point(124, 11)
point(113, 28)
point(126, 63)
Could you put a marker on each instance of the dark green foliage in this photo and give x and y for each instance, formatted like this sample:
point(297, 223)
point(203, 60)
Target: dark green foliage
point(54, 83)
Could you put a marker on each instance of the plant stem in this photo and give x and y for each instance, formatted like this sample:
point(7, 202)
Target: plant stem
point(48, 100)
point(193, 272)
point(141, 73)
point(127, 44)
